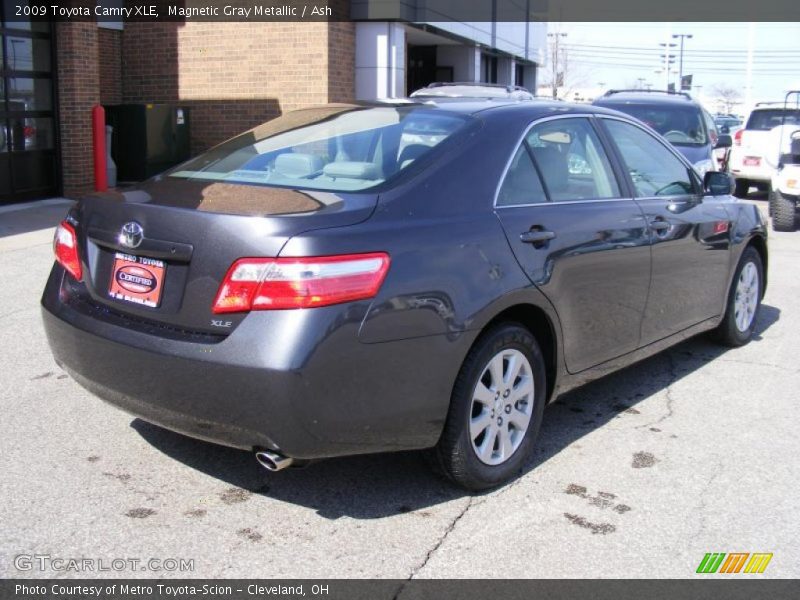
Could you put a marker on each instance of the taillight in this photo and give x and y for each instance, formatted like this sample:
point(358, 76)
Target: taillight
point(65, 246)
point(279, 283)
point(737, 139)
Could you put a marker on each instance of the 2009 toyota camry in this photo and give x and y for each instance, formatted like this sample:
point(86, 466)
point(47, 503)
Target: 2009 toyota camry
point(367, 278)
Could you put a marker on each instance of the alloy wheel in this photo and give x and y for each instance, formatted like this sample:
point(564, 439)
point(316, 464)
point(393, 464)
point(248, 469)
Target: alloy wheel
point(746, 300)
point(502, 405)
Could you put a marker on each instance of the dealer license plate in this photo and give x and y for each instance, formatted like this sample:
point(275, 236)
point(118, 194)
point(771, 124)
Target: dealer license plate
point(137, 279)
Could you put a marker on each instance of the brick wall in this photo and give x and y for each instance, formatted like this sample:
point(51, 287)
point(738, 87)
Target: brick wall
point(341, 62)
point(78, 91)
point(109, 50)
point(234, 76)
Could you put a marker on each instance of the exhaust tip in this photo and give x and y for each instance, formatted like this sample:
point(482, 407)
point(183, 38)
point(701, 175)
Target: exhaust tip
point(272, 461)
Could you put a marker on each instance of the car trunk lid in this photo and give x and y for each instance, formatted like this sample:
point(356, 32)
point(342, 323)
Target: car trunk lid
point(191, 233)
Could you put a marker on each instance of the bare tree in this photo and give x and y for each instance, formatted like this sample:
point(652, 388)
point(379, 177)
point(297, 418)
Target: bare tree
point(727, 97)
point(564, 75)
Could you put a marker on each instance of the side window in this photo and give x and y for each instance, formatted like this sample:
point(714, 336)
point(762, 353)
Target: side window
point(522, 184)
point(572, 160)
point(655, 170)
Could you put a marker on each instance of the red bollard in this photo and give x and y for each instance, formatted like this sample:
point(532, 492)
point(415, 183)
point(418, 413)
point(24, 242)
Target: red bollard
point(99, 146)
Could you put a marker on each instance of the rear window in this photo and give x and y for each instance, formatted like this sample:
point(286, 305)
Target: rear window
point(764, 120)
point(332, 148)
point(680, 125)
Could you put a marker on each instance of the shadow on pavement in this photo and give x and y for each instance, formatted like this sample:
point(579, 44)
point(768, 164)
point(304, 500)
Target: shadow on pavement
point(34, 218)
point(376, 486)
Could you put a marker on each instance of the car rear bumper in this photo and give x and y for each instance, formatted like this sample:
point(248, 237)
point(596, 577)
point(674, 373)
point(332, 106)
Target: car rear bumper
point(296, 382)
point(739, 170)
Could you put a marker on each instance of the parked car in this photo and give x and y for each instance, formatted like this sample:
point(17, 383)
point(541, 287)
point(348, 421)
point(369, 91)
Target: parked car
point(727, 123)
point(755, 153)
point(682, 121)
point(353, 279)
point(472, 90)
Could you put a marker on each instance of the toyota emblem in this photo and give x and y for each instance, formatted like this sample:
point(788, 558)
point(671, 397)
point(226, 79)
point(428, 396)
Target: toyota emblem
point(131, 235)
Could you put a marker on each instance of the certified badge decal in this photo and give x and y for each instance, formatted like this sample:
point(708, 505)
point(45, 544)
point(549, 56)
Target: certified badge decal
point(136, 279)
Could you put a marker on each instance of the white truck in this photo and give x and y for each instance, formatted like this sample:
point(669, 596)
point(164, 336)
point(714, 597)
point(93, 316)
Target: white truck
point(756, 150)
point(785, 196)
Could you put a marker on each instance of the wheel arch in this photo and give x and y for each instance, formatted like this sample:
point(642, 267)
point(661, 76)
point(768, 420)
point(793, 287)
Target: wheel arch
point(759, 243)
point(542, 327)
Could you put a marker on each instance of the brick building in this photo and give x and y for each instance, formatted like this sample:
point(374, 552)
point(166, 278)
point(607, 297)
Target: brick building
point(231, 75)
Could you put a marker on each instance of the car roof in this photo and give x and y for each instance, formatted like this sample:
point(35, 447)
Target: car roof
point(652, 98)
point(536, 108)
point(773, 106)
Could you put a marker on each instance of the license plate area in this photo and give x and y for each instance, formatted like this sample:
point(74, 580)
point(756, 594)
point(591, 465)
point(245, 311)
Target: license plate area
point(752, 161)
point(137, 279)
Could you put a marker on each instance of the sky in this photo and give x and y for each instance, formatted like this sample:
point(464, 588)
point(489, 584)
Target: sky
point(616, 55)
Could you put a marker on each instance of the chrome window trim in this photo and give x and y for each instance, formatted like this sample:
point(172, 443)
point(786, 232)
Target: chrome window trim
point(557, 202)
point(560, 202)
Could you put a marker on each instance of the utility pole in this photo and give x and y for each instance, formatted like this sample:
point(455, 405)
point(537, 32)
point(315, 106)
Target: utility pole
point(555, 37)
point(669, 58)
point(682, 36)
point(748, 86)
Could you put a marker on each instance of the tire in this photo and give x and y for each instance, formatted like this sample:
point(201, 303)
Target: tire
point(744, 301)
point(742, 187)
point(494, 415)
point(783, 212)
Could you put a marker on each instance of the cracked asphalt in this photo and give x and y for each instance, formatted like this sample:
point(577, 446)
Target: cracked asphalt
point(636, 475)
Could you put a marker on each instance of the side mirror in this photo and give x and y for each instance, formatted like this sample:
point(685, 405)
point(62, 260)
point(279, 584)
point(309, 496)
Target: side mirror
point(724, 141)
point(725, 129)
point(717, 183)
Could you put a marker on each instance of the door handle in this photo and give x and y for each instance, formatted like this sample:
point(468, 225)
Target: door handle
point(659, 225)
point(536, 237)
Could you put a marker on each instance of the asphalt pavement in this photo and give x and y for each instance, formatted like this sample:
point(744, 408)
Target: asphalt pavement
point(639, 474)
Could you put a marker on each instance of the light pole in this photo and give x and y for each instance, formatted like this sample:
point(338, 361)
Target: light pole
point(555, 37)
point(682, 36)
point(669, 58)
point(667, 72)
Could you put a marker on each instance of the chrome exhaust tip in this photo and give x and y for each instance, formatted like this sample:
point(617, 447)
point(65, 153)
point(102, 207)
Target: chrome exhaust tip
point(273, 461)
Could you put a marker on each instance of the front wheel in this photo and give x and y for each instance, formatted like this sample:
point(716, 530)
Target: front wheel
point(744, 300)
point(783, 211)
point(495, 411)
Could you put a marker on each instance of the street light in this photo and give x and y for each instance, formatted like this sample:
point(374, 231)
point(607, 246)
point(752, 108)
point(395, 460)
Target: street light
point(682, 36)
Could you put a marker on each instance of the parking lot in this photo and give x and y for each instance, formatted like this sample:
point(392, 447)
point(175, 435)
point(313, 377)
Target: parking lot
point(637, 475)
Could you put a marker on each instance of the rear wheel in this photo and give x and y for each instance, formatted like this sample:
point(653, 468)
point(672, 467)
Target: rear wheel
point(742, 187)
point(783, 211)
point(744, 300)
point(495, 411)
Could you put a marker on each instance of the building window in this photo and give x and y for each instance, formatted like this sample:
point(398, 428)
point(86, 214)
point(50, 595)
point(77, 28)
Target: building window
point(27, 109)
point(519, 75)
point(488, 68)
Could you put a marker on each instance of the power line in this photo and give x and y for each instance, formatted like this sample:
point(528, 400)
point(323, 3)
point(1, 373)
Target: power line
point(640, 49)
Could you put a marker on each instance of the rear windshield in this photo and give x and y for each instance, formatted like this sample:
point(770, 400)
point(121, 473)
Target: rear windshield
point(765, 120)
point(680, 125)
point(333, 148)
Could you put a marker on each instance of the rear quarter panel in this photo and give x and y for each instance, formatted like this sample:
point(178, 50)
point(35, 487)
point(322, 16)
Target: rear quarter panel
point(748, 226)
